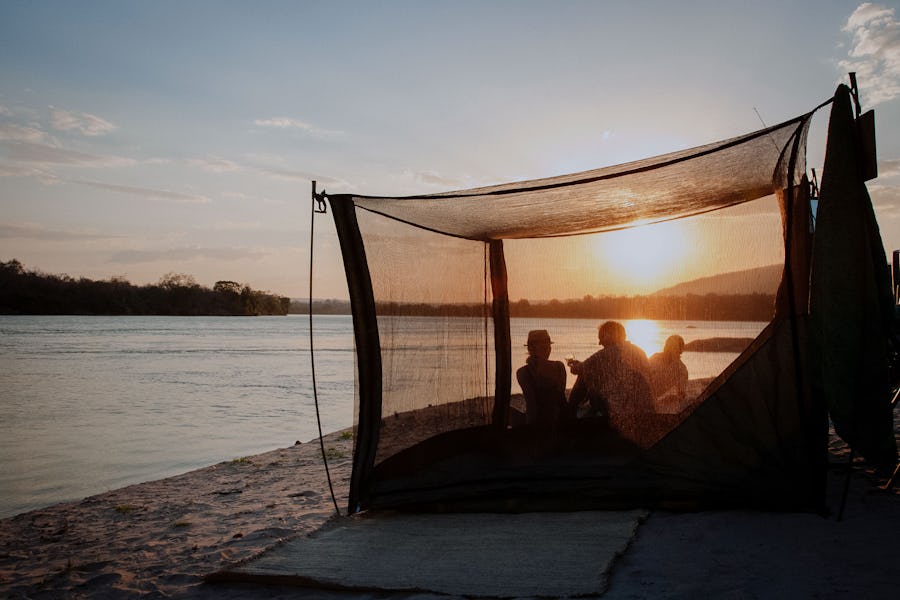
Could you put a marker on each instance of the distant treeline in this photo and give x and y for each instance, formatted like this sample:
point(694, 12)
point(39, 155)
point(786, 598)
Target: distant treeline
point(34, 293)
point(320, 307)
point(691, 307)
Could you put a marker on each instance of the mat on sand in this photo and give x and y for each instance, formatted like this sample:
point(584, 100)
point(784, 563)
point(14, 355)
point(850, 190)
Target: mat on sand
point(470, 554)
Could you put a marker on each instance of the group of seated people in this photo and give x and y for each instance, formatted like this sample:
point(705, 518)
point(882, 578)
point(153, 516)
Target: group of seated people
point(618, 382)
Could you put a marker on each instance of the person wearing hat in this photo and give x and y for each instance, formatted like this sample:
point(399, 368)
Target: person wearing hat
point(543, 381)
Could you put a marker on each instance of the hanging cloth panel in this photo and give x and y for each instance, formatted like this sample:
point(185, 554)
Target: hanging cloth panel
point(851, 303)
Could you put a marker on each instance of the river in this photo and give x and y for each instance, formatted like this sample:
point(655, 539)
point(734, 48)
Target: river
point(92, 403)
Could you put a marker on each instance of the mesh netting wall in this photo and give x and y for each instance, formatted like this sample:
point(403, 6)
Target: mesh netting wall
point(433, 305)
point(710, 280)
point(661, 291)
point(706, 284)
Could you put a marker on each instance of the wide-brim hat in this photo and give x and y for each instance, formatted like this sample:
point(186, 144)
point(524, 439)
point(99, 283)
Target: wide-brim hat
point(537, 336)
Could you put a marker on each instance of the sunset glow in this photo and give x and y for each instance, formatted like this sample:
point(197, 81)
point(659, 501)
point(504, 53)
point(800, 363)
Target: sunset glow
point(113, 165)
point(643, 256)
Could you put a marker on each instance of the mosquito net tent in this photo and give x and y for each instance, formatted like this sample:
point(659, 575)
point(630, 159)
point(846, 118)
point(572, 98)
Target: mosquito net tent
point(705, 253)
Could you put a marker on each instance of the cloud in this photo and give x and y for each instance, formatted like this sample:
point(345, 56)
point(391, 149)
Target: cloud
point(185, 253)
point(283, 123)
point(888, 168)
point(295, 124)
point(886, 201)
point(148, 193)
point(215, 165)
point(19, 171)
point(20, 133)
point(435, 178)
point(254, 199)
point(224, 165)
point(874, 53)
point(158, 161)
point(84, 123)
point(285, 174)
point(30, 152)
point(36, 232)
point(236, 226)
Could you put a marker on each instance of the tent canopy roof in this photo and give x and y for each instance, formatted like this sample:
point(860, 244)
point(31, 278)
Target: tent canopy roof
point(665, 187)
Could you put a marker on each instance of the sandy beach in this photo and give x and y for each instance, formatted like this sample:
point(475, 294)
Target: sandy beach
point(158, 539)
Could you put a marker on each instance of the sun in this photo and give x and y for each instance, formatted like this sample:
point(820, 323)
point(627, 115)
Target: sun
point(643, 258)
point(645, 334)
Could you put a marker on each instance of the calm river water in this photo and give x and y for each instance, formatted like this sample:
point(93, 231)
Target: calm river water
point(96, 403)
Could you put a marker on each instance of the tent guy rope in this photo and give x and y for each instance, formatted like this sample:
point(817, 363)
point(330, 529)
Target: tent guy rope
point(318, 206)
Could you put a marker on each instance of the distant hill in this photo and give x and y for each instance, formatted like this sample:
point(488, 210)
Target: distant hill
point(761, 280)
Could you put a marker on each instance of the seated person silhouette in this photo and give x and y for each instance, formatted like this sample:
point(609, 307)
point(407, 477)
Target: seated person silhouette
point(669, 376)
point(543, 381)
point(613, 380)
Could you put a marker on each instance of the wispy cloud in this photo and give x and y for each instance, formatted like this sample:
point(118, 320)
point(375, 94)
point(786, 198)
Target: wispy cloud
point(143, 192)
point(885, 191)
point(224, 165)
point(23, 133)
point(875, 52)
point(285, 174)
point(37, 232)
point(236, 226)
point(888, 168)
point(185, 253)
point(84, 123)
point(215, 165)
point(252, 199)
point(159, 160)
point(886, 200)
point(296, 125)
point(19, 171)
point(283, 123)
point(31, 152)
point(435, 178)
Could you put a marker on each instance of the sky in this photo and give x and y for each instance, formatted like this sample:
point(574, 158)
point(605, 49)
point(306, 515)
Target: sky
point(144, 138)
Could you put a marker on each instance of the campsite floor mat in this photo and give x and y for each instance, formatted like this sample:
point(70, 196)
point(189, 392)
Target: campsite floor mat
point(463, 554)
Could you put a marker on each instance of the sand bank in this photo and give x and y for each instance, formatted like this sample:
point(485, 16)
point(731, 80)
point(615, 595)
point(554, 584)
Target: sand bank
point(158, 539)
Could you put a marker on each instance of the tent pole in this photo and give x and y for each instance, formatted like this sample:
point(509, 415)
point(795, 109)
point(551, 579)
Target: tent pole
point(889, 484)
point(840, 514)
point(368, 346)
point(502, 339)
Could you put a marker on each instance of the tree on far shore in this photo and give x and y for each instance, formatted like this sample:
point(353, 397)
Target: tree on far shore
point(31, 292)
